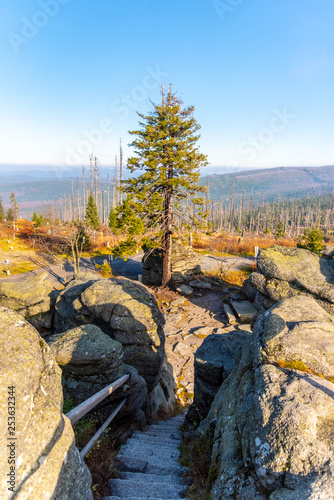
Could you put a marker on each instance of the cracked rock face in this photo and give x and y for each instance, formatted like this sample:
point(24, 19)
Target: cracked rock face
point(184, 263)
point(85, 351)
point(34, 300)
point(125, 311)
point(48, 464)
point(287, 272)
point(214, 361)
point(272, 418)
point(90, 360)
point(296, 333)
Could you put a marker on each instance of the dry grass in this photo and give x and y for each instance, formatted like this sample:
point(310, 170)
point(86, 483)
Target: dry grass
point(235, 245)
point(300, 366)
point(23, 267)
point(101, 460)
point(231, 277)
point(17, 244)
point(164, 414)
point(102, 463)
point(196, 455)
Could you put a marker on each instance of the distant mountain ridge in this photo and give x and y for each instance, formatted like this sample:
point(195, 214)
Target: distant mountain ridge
point(268, 184)
point(271, 184)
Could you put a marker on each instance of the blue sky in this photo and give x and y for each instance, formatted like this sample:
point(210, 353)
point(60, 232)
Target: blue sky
point(260, 75)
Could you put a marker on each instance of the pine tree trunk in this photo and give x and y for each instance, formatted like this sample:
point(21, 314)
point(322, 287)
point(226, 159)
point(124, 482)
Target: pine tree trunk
point(84, 192)
point(78, 201)
point(168, 231)
point(167, 243)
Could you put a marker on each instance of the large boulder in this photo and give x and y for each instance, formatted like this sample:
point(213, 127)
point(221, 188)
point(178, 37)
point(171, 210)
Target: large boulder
point(296, 333)
point(47, 463)
point(124, 310)
point(85, 351)
point(214, 362)
point(162, 398)
point(272, 417)
point(90, 360)
point(299, 267)
point(285, 272)
point(291, 434)
point(34, 300)
point(184, 263)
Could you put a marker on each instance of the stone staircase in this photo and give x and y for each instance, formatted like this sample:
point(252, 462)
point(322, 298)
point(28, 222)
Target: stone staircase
point(149, 466)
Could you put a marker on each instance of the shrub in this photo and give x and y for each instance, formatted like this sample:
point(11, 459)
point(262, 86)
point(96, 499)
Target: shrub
point(104, 269)
point(312, 240)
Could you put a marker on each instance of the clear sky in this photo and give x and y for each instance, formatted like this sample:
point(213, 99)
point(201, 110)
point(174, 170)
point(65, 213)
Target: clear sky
point(260, 74)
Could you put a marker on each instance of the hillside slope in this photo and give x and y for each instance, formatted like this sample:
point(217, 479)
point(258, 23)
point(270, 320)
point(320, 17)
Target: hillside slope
point(269, 184)
point(286, 182)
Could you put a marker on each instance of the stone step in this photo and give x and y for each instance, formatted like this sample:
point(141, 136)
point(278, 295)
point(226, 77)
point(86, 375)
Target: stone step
point(167, 423)
point(152, 478)
point(165, 432)
point(148, 464)
point(174, 425)
point(141, 498)
point(126, 487)
point(231, 319)
point(175, 436)
point(244, 310)
point(159, 436)
point(130, 464)
point(168, 427)
point(166, 443)
point(162, 431)
point(148, 450)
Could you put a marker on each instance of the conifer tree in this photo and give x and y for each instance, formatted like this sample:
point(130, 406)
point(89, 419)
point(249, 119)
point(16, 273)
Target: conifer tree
point(166, 152)
point(312, 240)
point(14, 206)
point(10, 215)
point(113, 221)
point(280, 230)
point(2, 212)
point(92, 216)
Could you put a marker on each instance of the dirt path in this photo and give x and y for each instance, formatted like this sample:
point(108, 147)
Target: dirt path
point(188, 323)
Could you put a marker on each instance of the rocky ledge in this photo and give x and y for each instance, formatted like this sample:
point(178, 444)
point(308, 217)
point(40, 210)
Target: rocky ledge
point(272, 418)
point(125, 311)
point(47, 463)
point(289, 272)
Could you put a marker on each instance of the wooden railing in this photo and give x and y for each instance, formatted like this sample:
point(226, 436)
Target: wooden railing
point(90, 403)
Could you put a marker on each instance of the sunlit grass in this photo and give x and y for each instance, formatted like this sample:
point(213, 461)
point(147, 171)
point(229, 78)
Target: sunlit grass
point(23, 267)
point(17, 244)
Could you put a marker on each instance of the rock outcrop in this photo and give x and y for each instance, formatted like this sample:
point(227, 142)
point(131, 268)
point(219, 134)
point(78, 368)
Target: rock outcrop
point(47, 463)
point(214, 362)
point(288, 272)
point(90, 360)
point(124, 310)
point(34, 300)
point(185, 263)
point(272, 418)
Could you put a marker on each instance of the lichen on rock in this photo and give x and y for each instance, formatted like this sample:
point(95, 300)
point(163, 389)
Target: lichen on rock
point(47, 463)
point(34, 301)
point(272, 423)
point(124, 310)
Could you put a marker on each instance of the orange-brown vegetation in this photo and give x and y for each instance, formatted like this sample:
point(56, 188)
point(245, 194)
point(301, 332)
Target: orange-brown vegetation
point(236, 245)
